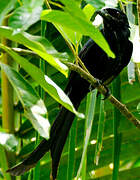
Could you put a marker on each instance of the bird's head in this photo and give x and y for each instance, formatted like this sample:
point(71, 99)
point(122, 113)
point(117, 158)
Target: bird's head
point(113, 18)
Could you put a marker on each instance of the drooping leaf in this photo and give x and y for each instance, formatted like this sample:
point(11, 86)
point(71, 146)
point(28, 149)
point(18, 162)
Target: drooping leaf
point(24, 17)
point(39, 45)
point(8, 141)
point(5, 7)
point(34, 107)
point(77, 24)
point(43, 80)
point(68, 34)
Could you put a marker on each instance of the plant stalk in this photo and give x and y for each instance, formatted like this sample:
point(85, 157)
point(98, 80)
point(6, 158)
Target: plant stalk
point(7, 106)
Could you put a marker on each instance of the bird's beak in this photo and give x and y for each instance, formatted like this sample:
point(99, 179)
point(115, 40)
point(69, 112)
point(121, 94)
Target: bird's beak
point(104, 14)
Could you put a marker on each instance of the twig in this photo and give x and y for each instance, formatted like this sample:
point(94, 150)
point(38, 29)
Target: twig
point(87, 76)
point(122, 108)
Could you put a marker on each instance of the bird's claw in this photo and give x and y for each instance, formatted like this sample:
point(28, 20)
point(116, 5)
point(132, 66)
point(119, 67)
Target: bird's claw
point(107, 94)
point(98, 83)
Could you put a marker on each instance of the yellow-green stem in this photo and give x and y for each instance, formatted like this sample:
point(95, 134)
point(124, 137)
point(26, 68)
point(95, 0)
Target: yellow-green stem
point(138, 7)
point(7, 110)
point(7, 94)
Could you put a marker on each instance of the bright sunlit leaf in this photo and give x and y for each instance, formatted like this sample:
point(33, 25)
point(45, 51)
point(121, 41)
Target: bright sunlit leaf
point(8, 141)
point(43, 80)
point(33, 105)
point(39, 45)
point(77, 24)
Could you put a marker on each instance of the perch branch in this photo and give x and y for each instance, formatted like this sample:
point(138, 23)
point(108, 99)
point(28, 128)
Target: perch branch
point(122, 108)
point(87, 76)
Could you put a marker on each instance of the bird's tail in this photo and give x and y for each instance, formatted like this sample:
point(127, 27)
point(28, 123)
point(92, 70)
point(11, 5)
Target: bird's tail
point(31, 160)
point(58, 136)
point(59, 140)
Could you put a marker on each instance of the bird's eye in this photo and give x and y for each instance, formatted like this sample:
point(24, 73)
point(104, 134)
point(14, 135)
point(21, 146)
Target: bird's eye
point(118, 14)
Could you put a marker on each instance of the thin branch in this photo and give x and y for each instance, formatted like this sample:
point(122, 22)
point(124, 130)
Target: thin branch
point(93, 81)
point(122, 108)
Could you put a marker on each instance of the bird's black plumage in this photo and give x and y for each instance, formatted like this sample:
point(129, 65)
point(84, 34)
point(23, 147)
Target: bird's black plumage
point(116, 31)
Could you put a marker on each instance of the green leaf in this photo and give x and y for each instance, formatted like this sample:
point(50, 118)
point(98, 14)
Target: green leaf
point(8, 141)
point(34, 107)
point(32, 3)
point(23, 17)
point(77, 24)
point(117, 135)
point(89, 11)
point(5, 7)
point(26, 15)
point(138, 107)
point(4, 163)
point(67, 33)
point(98, 4)
point(100, 132)
point(44, 81)
point(39, 45)
point(90, 111)
point(73, 8)
point(71, 35)
point(71, 150)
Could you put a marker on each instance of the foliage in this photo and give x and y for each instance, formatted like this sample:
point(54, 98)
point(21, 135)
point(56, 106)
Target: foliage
point(43, 35)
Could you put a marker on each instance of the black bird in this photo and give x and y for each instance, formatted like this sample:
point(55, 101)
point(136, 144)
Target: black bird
point(116, 32)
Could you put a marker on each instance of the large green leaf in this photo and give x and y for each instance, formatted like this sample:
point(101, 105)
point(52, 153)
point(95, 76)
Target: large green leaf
point(70, 35)
point(73, 8)
point(43, 80)
point(39, 45)
point(5, 7)
point(24, 16)
point(34, 106)
point(79, 17)
point(77, 24)
point(89, 11)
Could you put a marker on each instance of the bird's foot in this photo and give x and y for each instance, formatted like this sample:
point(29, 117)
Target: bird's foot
point(98, 83)
point(107, 94)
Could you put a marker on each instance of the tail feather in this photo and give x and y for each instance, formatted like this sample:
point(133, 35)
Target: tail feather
point(31, 160)
point(58, 136)
point(59, 142)
point(20, 169)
